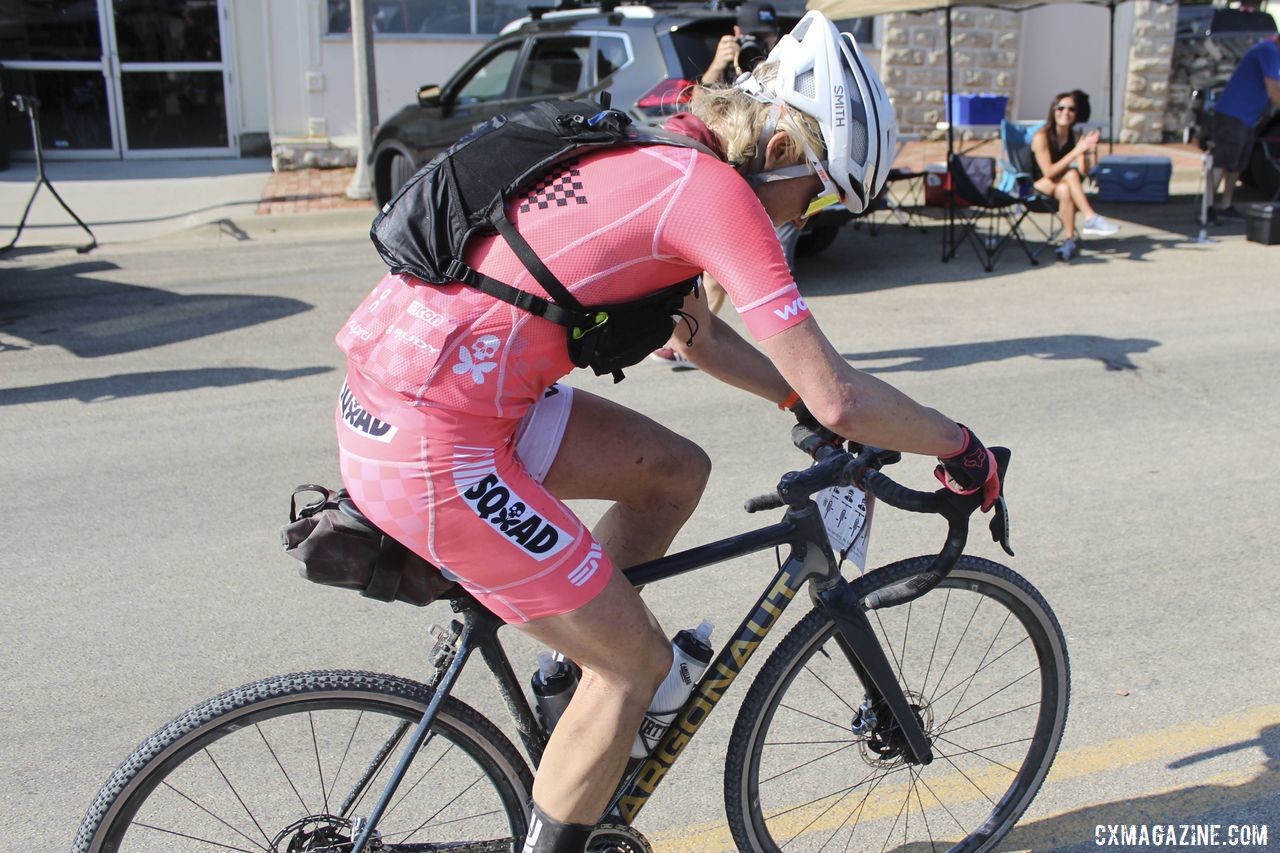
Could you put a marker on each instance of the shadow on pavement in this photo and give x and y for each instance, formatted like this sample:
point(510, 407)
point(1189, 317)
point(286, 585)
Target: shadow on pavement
point(901, 257)
point(1195, 804)
point(1113, 353)
point(91, 317)
point(121, 385)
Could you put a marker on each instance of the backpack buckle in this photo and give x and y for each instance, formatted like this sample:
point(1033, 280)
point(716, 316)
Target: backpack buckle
point(458, 271)
point(598, 320)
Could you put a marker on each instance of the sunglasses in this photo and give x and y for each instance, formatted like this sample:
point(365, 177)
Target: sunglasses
point(1060, 108)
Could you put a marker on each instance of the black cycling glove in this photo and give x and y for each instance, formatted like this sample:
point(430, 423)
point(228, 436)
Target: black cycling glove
point(972, 469)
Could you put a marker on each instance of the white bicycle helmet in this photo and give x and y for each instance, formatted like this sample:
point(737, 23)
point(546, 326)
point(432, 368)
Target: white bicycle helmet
point(822, 73)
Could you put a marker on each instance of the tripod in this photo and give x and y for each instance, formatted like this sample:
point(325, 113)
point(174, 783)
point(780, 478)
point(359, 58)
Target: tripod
point(31, 107)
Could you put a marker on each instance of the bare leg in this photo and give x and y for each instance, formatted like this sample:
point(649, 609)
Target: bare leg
point(655, 478)
point(1078, 197)
point(1066, 209)
point(1229, 180)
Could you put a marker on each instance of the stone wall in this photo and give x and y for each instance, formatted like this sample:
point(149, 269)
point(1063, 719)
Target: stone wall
point(914, 61)
point(1202, 62)
point(1146, 90)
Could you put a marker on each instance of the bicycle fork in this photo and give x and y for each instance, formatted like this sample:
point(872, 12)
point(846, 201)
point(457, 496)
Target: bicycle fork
point(857, 640)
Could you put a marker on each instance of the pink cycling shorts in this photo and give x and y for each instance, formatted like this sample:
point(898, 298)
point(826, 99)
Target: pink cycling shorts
point(479, 513)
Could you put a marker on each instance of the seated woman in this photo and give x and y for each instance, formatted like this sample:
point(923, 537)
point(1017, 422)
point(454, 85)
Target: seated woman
point(1056, 148)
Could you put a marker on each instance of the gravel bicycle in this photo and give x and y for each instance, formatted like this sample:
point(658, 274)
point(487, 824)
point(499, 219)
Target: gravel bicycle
point(920, 703)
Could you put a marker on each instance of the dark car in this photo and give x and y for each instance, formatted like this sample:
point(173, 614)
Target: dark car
point(646, 57)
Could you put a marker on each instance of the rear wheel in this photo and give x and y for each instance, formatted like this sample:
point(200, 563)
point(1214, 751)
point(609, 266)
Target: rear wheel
point(289, 763)
point(984, 665)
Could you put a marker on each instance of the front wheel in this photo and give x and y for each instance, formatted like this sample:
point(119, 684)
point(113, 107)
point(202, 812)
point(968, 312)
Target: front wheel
point(289, 764)
point(983, 663)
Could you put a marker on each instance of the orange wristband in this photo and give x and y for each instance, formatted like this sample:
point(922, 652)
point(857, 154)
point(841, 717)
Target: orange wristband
point(791, 400)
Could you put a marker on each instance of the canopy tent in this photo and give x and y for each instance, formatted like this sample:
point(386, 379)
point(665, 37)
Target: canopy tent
point(837, 9)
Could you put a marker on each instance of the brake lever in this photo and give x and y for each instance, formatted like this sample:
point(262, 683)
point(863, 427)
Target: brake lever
point(1000, 524)
point(1000, 510)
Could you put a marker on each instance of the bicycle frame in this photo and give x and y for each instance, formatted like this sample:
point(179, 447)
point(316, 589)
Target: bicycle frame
point(810, 559)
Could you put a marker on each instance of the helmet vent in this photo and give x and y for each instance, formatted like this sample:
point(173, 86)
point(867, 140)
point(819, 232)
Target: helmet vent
point(805, 84)
point(858, 142)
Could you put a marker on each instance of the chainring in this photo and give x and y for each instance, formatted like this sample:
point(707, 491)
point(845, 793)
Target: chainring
point(617, 838)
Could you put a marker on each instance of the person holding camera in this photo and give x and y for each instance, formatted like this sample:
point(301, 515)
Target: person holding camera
point(754, 35)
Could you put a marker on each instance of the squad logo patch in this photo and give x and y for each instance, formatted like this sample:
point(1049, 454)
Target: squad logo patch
point(496, 502)
point(359, 420)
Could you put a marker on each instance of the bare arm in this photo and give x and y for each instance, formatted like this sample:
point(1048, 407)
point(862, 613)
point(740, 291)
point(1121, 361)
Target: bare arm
point(855, 404)
point(721, 352)
point(1055, 169)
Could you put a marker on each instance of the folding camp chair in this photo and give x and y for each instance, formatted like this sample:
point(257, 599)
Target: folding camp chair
point(1017, 178)
point(902, 197)
point(990, 219)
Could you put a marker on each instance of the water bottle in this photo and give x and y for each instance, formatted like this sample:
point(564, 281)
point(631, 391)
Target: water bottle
point(553, 686)
point(691, 653)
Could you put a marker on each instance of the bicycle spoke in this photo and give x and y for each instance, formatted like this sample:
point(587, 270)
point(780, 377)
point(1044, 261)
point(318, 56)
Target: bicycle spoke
point(993, 695)
point(939, 801)
point(283, 772)
point(236, 794)
point(404, 794)
point(944, 731)
point(924, 816)
point(981, 749)
point(219, 819)
point(319, 770)
point(968, 779)
point(985, 654)
point(371, 771)
point(807, 763)
point(343, 760)
point(981, 669)
point(832, 690)
point(438, 811)
point(842, 795)
point(841, 726)
point(194, 838)
point(959, 640)
point(924, 685)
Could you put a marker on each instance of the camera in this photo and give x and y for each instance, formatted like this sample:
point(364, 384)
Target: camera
point(751, 52)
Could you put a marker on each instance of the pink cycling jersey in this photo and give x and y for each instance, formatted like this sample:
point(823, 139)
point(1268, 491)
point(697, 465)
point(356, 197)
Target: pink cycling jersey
point(440, 377)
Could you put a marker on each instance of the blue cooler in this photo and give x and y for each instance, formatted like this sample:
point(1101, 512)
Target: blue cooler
point(1134, 179)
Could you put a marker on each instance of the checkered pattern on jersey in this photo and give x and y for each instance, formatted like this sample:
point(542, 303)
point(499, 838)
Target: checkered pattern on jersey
point(558, 189)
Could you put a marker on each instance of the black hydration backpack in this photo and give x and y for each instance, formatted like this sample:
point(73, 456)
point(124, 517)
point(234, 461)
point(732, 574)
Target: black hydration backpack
point(423, 231)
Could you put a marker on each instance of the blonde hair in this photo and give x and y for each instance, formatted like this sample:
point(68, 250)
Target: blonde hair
point(738, 119)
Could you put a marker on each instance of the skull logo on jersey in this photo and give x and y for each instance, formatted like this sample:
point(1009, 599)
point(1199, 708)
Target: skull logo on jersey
point(478, 359)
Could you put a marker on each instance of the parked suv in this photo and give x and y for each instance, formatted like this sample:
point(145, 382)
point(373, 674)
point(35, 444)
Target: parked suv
point(646, 57)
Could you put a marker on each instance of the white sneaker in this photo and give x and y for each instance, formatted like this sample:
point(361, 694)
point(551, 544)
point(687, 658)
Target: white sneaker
point(1067, 250)
point(1099, 226)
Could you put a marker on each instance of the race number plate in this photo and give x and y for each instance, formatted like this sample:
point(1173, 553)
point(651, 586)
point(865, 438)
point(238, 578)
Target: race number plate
point(846, 513)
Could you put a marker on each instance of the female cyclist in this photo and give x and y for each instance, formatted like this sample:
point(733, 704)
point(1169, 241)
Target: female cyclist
point(456, 438)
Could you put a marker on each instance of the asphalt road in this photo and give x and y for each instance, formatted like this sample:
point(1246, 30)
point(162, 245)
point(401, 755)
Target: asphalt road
point(159, 402)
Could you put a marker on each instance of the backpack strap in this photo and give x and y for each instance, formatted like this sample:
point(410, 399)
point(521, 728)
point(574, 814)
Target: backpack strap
point(533, 263)
point(536, 305)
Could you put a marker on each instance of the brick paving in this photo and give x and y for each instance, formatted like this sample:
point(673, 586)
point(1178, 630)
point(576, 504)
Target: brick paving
point(308, 190)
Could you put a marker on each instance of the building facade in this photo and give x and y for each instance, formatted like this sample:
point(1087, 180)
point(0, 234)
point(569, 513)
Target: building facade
point(183, 78)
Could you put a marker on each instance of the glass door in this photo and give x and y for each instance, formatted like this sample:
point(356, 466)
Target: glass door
point(54, 52)
point(172, 87)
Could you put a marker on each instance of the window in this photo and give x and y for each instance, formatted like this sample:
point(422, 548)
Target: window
point(555, 67)
point(490, 81)
point(438, 17)
point(611, 54)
